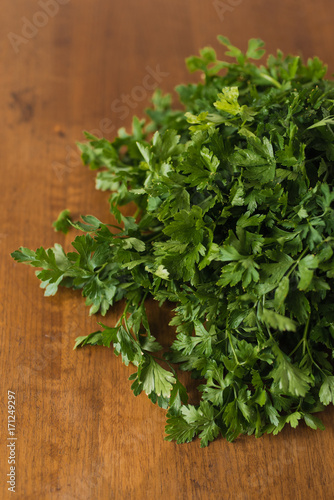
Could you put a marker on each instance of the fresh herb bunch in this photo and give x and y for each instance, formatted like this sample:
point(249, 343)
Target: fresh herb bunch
point(234, 226)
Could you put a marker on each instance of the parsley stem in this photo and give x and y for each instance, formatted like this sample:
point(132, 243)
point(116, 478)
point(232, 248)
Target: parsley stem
point(303, 339)
point(306, 346)
point(153, 237)
point(305, 333)
point(297, 262)
point(311, 358)
point(271, 80)
point(296, 347)
point(232, 347)
point(102, 267)
point(313, 159)
point(137, 212)
point(222, 409)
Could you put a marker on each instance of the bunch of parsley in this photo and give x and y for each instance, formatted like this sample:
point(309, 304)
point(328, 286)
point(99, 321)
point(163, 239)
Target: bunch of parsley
point(234, 226)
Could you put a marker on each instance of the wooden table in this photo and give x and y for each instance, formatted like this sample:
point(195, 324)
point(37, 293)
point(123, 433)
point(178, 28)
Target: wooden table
point(81, 434)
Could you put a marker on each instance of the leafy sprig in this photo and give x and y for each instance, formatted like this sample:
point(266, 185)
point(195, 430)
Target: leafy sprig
point(234, 226)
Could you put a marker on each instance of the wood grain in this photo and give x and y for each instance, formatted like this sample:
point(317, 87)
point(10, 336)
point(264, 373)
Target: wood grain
point(81, 433)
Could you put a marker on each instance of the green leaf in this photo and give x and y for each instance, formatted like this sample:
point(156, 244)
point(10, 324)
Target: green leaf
point(232, 50)
point(146, 153)
point(162, 272)
point(91, 339)
point(326, 393)
point(179, 430)
point(178, 396)
point(255, 50)
point(289, 378)
point(62, 223)
point(328, 120)
point(306, 268)
point(156, 379)
point(187, 226)
point(313, 422)
point(293, 419)
point(203, 419)
point(228, 101)
point(277, 321)
point(127, 346)
point(281, 292)
point(202, 342)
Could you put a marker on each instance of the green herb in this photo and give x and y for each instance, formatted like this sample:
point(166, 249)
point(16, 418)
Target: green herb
point(234, 226)
point(63, 222)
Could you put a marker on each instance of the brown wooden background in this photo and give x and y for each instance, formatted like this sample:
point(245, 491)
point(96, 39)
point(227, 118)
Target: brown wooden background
point(81, 433)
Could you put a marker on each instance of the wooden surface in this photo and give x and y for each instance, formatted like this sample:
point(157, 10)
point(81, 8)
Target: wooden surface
point(81, 434)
